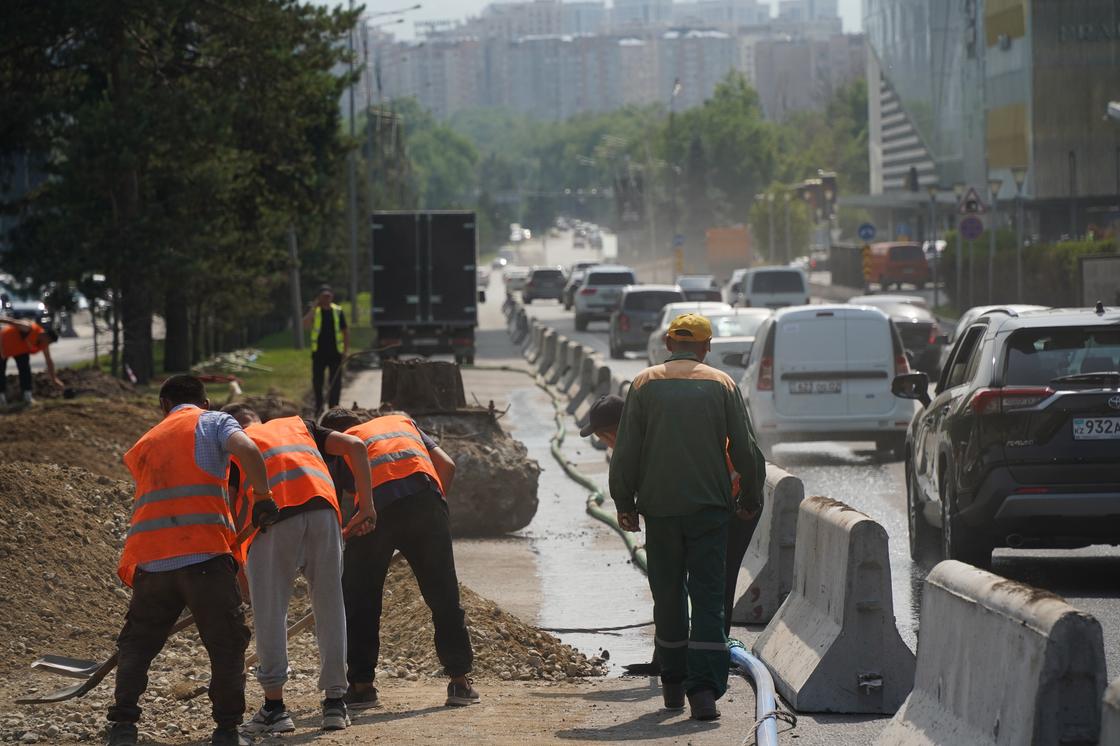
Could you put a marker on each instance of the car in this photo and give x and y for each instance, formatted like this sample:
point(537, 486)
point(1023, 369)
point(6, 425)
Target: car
point(921, 334)
point(823, 373)
point(24, 304)
point(971, 315)
point(774, 287)
point(544, 282)
point(699, 288)
point(515, 278)
point(482, 283)
point(600, 292)
point(733, 290)
point(637, 315)
point(656, 352)
point(575, 279)
point(895, 263)
point(1017, 445)
point(732, 338)
point(499, 262)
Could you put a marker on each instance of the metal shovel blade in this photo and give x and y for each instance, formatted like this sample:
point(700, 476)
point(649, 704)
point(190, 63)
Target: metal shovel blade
point(75, 668)
point(71, 692)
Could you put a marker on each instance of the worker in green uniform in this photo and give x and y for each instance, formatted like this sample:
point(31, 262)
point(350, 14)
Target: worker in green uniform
point(681, 422)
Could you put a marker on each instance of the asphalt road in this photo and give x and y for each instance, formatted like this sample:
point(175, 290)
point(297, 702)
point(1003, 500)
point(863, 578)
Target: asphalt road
point(1088, 578)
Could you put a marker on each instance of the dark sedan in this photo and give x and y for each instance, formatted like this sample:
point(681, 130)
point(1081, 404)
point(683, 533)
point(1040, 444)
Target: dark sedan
point(918, 327)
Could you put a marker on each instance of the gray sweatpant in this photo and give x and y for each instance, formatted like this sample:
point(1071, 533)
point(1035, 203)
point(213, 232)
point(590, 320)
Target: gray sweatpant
point(310, 543)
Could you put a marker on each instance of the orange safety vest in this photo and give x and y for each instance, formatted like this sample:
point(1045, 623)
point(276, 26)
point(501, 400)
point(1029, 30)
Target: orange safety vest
point(179, 508)
point(297, 471)
point(395, 449)
point(14, 342)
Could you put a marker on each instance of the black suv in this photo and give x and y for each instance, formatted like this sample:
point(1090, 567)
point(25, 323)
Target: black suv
point(1020, 444)
point(544, 282)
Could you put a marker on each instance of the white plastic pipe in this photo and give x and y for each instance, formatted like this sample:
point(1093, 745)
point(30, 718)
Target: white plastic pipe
point(766, 725)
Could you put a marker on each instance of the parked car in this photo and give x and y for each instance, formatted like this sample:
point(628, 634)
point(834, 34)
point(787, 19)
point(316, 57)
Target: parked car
point(544, 282)
point(824, 372)
point(733, 335)
point(733, 290)
point(656, 351)
point(515, 278)
point(600, 292)
point(24, 304)
point(575, 279)
point(896, 263)
point(1018, 444)
point(637, 315)
point(971, 315)
point(699, 288)
point(921, 334)
point(775, 287)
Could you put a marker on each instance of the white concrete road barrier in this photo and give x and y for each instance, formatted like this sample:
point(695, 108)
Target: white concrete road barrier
point(1110, 716)
point(549, 346)
point(1000, 662)
point(833, 645)
point(575, 363)
point(766, 576)
point(586, 382)
point(563, 359)
point(601, 387)
point(536, 347)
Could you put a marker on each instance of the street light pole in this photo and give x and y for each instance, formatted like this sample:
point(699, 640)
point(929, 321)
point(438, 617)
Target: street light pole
point(994, 185)
point(770, 218)
point(1019, 173)
point(789, 242)
point(932, 233)
point(958, 190)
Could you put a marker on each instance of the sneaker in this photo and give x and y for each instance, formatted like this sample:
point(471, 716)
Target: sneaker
point(269, 721)
point(335, 716)
point(358, 700)
point(122, 734)
point(228, 737)
point(703, 704)
point(459, 695)
point(673, 694)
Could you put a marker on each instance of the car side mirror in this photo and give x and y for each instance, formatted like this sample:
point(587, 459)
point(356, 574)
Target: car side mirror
point(912, 386)
point(736, 359)
point(942, 339)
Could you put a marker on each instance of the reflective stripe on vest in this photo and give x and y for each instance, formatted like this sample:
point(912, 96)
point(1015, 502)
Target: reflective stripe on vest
point(391, 444)
point(296, 469)
point(179, 508)
point(317, 326)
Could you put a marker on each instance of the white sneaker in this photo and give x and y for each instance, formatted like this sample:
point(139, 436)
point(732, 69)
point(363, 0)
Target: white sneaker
point(269, 721)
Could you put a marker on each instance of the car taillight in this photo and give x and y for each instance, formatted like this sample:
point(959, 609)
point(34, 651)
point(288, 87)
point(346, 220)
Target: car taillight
point(624, 322)
point(766, 374)
point(901, 365)
point(587, 291)
point(932, 335)
point(994, 401)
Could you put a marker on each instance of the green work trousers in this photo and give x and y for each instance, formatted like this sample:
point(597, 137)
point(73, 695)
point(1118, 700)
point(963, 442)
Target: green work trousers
point(686, 556)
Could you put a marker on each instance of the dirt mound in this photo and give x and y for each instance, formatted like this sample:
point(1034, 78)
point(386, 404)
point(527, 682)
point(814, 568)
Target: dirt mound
point(78, 382)
point(92, 434)
point(271, 406)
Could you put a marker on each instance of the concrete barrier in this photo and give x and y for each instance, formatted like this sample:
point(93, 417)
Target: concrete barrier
point(575, 364)
point(563, 360)
point(530, 332)
point(1000, 662)
point(833, 645)
point(549, 346)
point(1110, 716)
point(521, 326)
point(600, 387)
point(586, 382)
point(766, 576)
point(536, 347)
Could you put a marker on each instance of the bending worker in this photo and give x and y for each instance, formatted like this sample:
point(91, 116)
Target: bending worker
point(180, 551)
point(411, 477)
point(680, 422)
point(304, 537)
point(330, 344)
point(21, 340)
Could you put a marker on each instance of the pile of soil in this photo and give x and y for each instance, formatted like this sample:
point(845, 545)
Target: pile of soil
point(91, 433)
point(77, 382)
point(271, 406)
point(61, 529)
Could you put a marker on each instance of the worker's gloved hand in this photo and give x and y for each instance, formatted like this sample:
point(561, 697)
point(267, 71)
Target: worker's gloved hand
point(265, 513)
point(746, 509)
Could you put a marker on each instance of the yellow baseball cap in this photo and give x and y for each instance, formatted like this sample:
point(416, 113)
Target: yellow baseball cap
point(691, 327)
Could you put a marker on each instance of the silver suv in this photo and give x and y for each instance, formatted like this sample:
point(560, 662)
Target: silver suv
point(600, 292)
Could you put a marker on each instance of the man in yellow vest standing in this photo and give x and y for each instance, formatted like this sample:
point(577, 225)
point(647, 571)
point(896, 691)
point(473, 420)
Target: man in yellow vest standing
point(330, 344)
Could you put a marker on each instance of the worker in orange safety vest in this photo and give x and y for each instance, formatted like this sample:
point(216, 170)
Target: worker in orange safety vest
point(20, 340)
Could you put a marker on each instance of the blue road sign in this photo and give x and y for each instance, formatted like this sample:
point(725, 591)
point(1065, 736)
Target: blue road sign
point(902, 230)
point(678, 241)
point(866, 232)
point(971, 227)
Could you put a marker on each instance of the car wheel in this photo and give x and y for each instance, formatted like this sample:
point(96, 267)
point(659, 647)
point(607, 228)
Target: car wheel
point(581, 322)
point(527, 299)
point(959, 541)
point(615, 351)
point(924, 538)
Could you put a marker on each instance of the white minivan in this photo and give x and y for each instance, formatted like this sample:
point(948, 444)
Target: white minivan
point(774, 287)
point(818, 373)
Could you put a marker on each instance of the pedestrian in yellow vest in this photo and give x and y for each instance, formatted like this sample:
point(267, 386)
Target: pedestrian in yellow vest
point(330, 343)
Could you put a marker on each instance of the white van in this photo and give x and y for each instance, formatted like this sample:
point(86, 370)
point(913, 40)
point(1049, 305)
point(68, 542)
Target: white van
point(775, 287)
point(820, 373)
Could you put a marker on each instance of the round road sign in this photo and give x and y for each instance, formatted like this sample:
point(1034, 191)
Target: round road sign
point(866, 232)
point(971, 227)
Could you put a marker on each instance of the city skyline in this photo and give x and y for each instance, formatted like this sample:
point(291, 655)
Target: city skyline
point(850, 12)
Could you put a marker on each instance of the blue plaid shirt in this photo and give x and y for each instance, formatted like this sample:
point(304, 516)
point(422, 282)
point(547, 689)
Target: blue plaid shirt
point(210, 437)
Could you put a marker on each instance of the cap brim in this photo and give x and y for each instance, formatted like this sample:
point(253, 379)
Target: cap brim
point(587, 431)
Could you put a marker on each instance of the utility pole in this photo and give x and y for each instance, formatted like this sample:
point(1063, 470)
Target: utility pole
point(932, 233)
point(993, 187)
point(789, 243)
point(1019, 173)
point(293, 280)
point(770, 218)
point(958, 190)
point(352, 188)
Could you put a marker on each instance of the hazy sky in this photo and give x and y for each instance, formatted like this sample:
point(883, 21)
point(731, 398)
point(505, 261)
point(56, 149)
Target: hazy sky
point(455, 9)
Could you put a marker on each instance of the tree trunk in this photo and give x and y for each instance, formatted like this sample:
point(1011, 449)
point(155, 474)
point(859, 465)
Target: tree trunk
point(136, 308)
point(417, 386)
point(176, 346)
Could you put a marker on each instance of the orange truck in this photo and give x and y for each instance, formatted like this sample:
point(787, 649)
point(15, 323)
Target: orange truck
point(728, 249)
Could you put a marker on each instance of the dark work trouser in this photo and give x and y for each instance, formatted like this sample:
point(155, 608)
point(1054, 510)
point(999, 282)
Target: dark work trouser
point(417, 526)
point(209, 590)
point(326, 363)
point(23, 367)
point(739, 533)
point(686, 557)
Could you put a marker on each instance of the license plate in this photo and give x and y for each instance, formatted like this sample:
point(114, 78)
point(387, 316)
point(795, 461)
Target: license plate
point(425, 341)
point(814, 387)
point(1096, 428)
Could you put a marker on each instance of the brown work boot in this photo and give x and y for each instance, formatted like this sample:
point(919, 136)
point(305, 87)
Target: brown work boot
point(703, 704)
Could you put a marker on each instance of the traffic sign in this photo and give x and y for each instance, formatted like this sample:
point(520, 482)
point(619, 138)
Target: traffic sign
point(866, 232)
point(678, 241)
point(971, 227)
point(902, 232)
point(971, 204)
